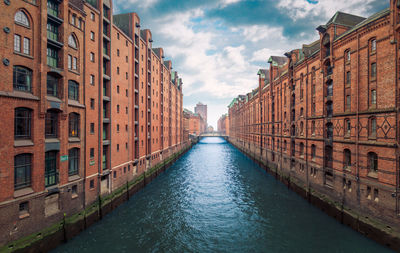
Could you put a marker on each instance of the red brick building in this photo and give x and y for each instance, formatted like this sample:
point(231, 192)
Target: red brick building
point(223, 124)
point(193, 123)
point(326, 116)
point(91, 105)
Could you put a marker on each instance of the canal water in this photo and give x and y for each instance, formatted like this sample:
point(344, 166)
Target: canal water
point(215, 199)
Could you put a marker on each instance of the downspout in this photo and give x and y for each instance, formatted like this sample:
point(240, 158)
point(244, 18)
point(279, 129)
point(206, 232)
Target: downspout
point(306, 120)
point(84, 99)
point(358, 121)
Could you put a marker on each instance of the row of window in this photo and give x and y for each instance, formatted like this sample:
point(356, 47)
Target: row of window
point(23, 168)
point(23, 124)
point(22, 81)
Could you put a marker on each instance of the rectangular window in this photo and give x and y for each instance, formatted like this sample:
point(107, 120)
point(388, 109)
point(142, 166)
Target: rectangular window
point(373, 45)
point(91, 79)
point(22, 123)
point(51, 174)
point(22, 171)
point(348, 77)
point(92, 16)
point(17, 43)
point(73, 161)
point(348, 102)
point(52, 31)
point(52, 8)
point(52, 57)
point(373, 97)
point(22, 79)
point(92, 128)
point(52, 86)
point(73, 90)
point(69, 62)
point(26, 46)
point(92, 103)
point(92, 57)
point(92, 36)
point(91, 153)
point(373, 70)
point(51, 124)
point(92, 184)
point(74, 63)
point(74, 125)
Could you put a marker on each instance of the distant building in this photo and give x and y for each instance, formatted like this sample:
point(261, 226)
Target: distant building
point(201, 109)
point(193, 123)
point(210, 129)
point(223, 124)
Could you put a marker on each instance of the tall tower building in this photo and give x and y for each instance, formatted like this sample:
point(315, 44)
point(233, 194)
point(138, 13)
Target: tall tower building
point(201, 109)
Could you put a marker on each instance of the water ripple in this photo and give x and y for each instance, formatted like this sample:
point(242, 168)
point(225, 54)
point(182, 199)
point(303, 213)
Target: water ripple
point(214, 199)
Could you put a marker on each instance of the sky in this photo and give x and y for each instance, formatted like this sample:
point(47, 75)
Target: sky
point(217, 46)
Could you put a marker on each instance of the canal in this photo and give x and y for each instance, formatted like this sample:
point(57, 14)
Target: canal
point(215, 199)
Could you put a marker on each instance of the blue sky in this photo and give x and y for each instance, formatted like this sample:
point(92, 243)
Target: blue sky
point(217, 46)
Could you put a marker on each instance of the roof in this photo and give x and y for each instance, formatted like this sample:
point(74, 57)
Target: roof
point(264, 73)
point(372, 18)
point(277, 60)
point(341, 18)
point(311, 49)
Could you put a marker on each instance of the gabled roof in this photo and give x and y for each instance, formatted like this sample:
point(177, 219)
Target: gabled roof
point(341, 18)
point(277, 60)
point(366, 21)
point(311, 49)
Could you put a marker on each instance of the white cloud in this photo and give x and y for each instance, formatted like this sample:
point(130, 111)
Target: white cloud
point(143, 4)
point(324, 8)
point(256, 33)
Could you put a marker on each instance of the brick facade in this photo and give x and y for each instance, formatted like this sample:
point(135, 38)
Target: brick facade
point(88, 105)
point(326, 115)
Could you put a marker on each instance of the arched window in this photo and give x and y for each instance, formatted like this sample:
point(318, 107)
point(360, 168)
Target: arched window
point(22, 79)
point(372, 162)
point(22, 171)
point(21, 18)
point(73, 161)
point(73, 121)
point(72, 41)
point(22, 123)
point(313, 150)
point(346, 158)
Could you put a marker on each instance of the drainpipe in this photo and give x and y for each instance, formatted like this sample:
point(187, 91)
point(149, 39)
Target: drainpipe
point(397, 115)
point(358, 121)
point(307, 175)
point(84, 99)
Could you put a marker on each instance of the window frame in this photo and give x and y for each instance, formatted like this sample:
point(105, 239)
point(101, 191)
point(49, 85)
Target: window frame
point(73, 90)
point(73, 161)
point(25, 73)
point(26, 120)
point(22, 171)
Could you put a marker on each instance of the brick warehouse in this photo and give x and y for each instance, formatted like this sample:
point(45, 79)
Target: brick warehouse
point(326, 116)
point(91, 105)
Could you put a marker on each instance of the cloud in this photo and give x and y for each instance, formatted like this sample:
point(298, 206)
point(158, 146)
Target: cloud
point(217, 47)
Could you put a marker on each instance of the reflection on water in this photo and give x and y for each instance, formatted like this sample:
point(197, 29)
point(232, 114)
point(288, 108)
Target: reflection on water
point(215, 199)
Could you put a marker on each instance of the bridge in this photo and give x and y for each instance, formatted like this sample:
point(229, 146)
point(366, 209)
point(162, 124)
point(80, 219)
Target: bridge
point(213, 134)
